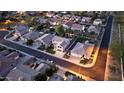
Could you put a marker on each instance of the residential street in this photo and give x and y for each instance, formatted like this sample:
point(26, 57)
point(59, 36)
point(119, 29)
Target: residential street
point(96, 72)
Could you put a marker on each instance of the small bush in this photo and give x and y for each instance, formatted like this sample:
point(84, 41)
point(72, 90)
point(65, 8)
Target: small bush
point(40, 77)
point(50, 50)
point(29, 42)
point(83, 61)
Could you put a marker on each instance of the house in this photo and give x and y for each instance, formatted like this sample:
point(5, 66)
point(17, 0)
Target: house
point(55, 21)
point(32, 13)
point(40, 67)
point(93, 29)
point(77, 18)
point(6, 64)
point(13, 56)
point(82, 50)
point(45, 39)
point(78, 50)
point(4, 52)
point(97, 22)
point(67, 16)
point(41, 20)
point(31, 35)
point(77, 27)
point(22, 73)
point(21, 30)
point(63, 12)
point(60, 43)
point(86, 20)
point(67, 25)
point(50, 14)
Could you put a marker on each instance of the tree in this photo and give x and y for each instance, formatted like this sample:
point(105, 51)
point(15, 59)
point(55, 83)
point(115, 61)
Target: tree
point(49, 72)
point(92, 33)
point(40, 77)
point(54, 68)
point(29, 42)
point(17, 39)
point(82, 13)
point(83, 61)
point(59, 30)
point(94, 16)
point(40, 27)
point(50, 50)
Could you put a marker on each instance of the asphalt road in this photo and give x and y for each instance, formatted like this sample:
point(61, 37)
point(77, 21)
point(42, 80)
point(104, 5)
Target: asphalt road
point(96, 72)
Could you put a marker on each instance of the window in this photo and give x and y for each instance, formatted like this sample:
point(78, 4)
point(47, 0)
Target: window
point(59, 47)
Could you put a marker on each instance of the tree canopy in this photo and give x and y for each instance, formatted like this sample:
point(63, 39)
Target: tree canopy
point(40, 77)
point(59, 30)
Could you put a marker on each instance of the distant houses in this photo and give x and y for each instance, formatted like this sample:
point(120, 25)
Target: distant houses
point(67, 25)
point(77, 27)
point(97, 22)
point(86, 19)
point(93, 29)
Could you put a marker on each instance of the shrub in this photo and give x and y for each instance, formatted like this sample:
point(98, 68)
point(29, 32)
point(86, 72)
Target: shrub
point(50, 50)
point(40, 77)
point(29, 42)
point(49, 72)
point(69, 73)
point(66, 56)
point(83, 61)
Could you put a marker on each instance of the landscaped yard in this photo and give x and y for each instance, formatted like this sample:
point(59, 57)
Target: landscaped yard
point(48, 73)
point(50, 50)
point(29, 42)
point(82, 39)
point(83, 61)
